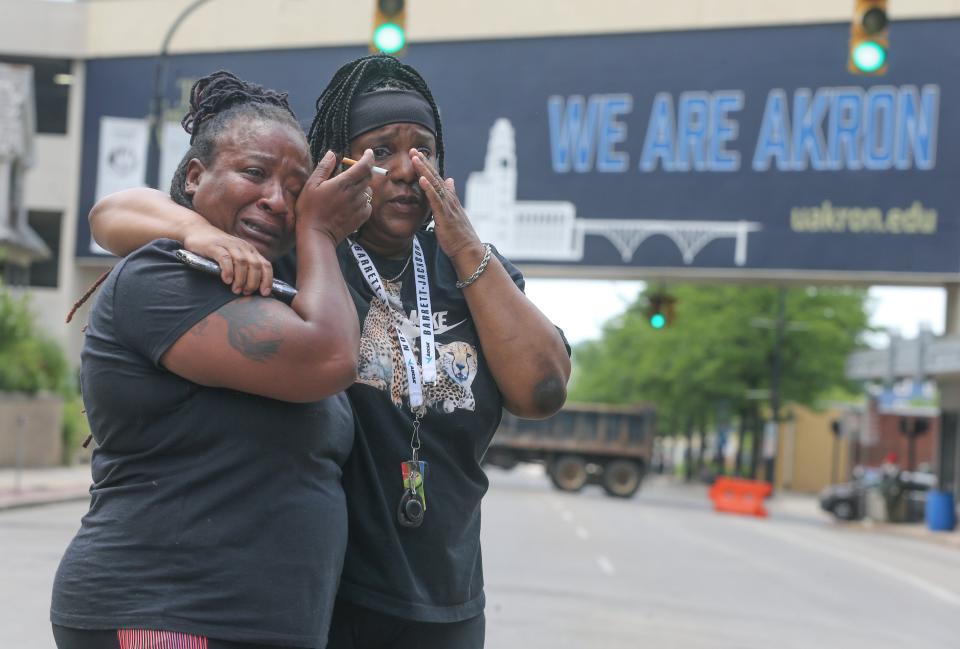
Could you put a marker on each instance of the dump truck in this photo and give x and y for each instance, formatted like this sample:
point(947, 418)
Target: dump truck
point(584, 443)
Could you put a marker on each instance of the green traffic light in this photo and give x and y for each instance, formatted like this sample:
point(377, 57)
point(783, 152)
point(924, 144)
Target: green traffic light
point(389, 38)
point(869, 56)
point(658, 321)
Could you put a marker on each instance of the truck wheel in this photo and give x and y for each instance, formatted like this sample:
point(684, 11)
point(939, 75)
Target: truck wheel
point(621, 478)
point(569, 473)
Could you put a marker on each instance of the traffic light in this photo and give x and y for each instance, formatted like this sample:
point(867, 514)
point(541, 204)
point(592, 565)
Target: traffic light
point(915, 427)
point(659, 309)
point(389, 27)
point(869, 38)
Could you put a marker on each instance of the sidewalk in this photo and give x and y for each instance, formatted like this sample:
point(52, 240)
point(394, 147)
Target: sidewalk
point(787, 503)
point(41, 486)
point(917, 531)
point(806, 507)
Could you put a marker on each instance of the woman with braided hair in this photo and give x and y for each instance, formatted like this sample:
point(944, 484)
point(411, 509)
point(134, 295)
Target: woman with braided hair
point(217, 518)
point(448, 339)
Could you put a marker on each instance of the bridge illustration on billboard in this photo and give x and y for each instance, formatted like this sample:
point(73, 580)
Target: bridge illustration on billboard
point(551, 231)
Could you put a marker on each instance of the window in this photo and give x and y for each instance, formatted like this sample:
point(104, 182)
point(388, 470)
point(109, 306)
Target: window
point(51, 90)
point(12, 274)
point(46, 224)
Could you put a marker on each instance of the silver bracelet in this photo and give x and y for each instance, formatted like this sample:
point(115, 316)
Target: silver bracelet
point(482, 267)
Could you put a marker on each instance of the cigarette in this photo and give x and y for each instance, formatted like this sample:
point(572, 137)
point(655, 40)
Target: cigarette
point(348, 162)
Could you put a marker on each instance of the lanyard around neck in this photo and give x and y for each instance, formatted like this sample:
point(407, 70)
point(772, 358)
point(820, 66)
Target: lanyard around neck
point(427, 370)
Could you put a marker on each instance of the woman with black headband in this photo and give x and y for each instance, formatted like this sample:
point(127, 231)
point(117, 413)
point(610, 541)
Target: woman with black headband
point(447, 340)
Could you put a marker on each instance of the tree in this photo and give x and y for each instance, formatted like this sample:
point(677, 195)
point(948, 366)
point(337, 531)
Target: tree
point(29, 361)
point(718, 352)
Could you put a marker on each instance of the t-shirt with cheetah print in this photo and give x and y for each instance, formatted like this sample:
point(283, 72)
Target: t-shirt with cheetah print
point(432, 573)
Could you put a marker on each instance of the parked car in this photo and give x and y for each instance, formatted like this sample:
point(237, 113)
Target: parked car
point(847, 500)
point(903, 491)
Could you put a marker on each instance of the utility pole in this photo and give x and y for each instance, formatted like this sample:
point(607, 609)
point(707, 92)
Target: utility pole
point(156, 102)
point(836, 427)
point(19, 454)
point(776, 371)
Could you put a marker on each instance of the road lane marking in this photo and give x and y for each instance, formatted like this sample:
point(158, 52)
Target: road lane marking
point(582, 532)
point(932, 589)
point(606, 566)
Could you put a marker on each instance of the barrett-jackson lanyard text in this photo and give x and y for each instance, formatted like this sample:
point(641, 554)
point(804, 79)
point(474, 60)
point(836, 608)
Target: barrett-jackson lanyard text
point(424, 312)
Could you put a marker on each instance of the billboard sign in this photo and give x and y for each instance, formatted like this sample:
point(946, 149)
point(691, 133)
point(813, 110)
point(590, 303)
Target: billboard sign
point(721, 153)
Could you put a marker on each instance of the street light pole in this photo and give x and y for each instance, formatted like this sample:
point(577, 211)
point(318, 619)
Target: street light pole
point(19, 455)
point(156, 103)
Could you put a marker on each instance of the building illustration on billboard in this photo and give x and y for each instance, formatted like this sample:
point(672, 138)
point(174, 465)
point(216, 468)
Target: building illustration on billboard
point(551, 231)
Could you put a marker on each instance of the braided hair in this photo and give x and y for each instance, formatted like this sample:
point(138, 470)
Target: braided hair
point(330, 130)
point(216, 100)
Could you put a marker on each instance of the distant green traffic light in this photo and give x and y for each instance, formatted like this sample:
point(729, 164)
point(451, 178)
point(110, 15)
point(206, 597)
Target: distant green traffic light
point(389, 38)
point(869, 56)
point(659, 309)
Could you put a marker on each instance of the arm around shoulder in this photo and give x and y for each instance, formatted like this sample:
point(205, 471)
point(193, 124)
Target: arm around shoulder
point(124, 221)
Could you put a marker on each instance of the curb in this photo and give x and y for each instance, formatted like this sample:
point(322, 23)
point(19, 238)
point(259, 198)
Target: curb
point(914, 531)
point(38, 498)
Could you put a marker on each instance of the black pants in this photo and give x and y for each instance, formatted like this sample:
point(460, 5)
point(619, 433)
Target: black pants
point(356, 627)
point(68, 638)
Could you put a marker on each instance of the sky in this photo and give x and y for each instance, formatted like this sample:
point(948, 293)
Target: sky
point(580, 307)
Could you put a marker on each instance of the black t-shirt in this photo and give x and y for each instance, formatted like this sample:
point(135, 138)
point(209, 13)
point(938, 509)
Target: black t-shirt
point(213, 511)
point(432, 573)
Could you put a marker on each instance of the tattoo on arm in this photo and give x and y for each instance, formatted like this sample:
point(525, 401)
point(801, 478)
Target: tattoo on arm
point(251, 329)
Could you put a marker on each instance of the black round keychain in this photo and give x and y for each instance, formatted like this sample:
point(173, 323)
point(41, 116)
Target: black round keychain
point(413, 503)
point(411, 509)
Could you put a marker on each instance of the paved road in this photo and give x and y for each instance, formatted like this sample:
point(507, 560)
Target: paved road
point(31, 543)
point(663, 570)
point(660, 570)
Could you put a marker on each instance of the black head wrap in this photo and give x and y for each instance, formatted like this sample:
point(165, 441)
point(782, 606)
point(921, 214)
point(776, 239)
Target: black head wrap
point(390, 106)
